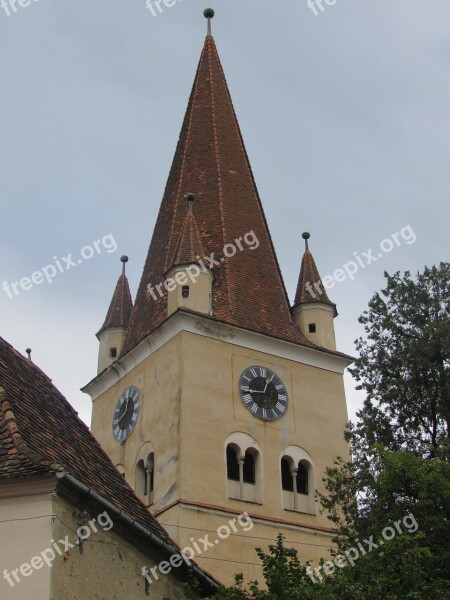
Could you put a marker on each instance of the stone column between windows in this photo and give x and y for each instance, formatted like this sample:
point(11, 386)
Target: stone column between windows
point(241, 461)
point(294, 472)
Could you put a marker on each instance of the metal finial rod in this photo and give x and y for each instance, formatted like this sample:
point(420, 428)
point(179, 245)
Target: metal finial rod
point(190, 198)
point(28, 351)
point(209, 14)
point(306, 237)
point(123, 260)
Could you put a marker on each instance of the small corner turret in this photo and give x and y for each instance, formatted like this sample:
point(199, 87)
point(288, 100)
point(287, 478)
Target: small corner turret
point(313, 311)
point(112, 333)
point(189, 282)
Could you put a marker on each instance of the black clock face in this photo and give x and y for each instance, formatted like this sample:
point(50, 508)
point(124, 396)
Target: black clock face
point(263, 393)
point(126, 413)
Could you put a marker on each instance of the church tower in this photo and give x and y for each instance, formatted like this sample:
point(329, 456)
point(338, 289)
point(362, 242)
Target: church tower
point(223, 399)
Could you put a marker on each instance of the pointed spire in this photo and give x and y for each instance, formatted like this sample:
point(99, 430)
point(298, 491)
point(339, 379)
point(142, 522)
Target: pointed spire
point(190, 248)
point(310, 287)
point(121, 305)
point(210, 157)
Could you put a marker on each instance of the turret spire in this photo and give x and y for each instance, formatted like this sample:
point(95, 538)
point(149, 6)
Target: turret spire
point(189, 248)
point(313, 311)
point(121, 305)
point(112, 333)
point(310, 287)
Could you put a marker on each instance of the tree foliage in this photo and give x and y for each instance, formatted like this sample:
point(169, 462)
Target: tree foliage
point(404, 364)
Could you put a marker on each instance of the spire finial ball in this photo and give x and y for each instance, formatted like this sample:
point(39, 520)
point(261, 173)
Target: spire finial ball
point(306, 235)
point(208, 13)
point(124, 259)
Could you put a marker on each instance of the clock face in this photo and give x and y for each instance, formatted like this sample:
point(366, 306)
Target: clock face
point(126, 413)
point(263, 393)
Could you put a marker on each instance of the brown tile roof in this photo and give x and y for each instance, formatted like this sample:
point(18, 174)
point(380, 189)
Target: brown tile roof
point(211, 162)
point(309, 275)
point(40, 433)
point(190, 245)
point(121, 305)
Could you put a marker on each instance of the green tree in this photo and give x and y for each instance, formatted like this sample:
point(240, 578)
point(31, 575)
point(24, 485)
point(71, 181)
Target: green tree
point(404, 364)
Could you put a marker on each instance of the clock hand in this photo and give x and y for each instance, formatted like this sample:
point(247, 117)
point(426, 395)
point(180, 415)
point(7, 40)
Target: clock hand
point(125, 411)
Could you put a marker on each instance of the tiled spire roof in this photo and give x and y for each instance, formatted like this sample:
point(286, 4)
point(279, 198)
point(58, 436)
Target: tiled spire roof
point(307, 291)
point(121, 305)
point(40, 433)
point(190, 245)
point(211, 161)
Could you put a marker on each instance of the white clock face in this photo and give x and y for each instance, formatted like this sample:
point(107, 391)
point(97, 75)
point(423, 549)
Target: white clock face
point(126, 413)
point(263, 393)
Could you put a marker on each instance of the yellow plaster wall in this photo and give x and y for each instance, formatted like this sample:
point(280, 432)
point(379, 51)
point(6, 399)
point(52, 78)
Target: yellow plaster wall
point(106, 565)
point(190, 405)
point(25, 532)
point(323, 318)
point(212, 409)
point(110, 338)
point(159, 378)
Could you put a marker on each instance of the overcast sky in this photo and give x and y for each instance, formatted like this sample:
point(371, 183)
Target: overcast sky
point(345, 116)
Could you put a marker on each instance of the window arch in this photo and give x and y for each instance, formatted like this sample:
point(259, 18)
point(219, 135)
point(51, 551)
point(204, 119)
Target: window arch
point(232, 463)
point(145, 474)
point(287, 482)
point(302, 478)
point(297, 480)
point(145, 478)
point(249, 474)
point(243, 462)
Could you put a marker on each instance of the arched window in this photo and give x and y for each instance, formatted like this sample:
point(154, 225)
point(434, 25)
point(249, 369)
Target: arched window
point(297, 480)
point(243, 468)
point(249, 467)
point(145, 479)
point(286, 475)
point(232, 464)
point(149, 478)
point(302, 479)
point(140, 479)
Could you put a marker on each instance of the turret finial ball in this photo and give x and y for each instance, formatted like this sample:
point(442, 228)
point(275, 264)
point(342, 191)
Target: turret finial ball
point(306, 235)
point(209, 13)
point(124, 259)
